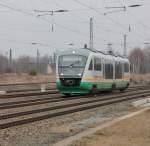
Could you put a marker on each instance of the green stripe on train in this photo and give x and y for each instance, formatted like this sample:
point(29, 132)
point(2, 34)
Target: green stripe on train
point(85, 87)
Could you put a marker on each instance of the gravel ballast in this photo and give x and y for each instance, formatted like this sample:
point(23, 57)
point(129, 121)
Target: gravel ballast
point(47, 132)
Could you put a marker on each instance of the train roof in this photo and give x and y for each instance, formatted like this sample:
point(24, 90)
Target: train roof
point(87, 51)
point(82, 51)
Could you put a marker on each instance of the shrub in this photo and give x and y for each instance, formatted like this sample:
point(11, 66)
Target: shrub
point(33, 73)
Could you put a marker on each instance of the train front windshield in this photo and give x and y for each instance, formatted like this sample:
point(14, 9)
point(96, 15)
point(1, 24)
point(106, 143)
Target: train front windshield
point(71, 65)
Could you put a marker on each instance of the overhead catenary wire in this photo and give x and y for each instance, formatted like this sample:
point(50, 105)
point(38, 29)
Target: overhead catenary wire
point(16, 9)
point(28, 43)
point(44, 19)
point(31, 14)
point(81, 34)
point(82, 20)
point(102, 14)
point(87, 21)
point(48, 21)
point(138, 20)
point(92, 8)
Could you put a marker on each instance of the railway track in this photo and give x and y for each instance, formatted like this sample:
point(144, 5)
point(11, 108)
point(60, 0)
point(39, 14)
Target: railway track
point(26, 87)
point(79, 103)
point(31, 92)
point(22, 84)
point(138, 88)
point(30, 87)
point(36, 92)
point(51, 89)
point(45, 100)
point(27, 93)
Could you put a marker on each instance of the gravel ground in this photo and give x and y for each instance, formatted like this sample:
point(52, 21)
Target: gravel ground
point(46, 132)
point(121, 134)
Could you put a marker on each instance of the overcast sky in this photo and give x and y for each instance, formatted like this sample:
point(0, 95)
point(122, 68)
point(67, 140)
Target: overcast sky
point(20, 28)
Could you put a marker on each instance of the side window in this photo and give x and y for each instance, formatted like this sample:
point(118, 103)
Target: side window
point(97, 64)
point(91, 65)
point(118, 70)
point(108, 70)
point(126, 67)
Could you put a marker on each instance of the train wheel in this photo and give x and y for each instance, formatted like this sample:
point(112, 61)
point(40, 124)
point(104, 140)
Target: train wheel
point(94, 89)
point(123, 89)
point(113, 86)
point(67, 94)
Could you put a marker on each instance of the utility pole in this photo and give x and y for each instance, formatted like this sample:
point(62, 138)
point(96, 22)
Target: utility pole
point(10, 58)
point(54, 57)
point(123, 8)
point(125, 45)
point(91, 33)
point(37, 60)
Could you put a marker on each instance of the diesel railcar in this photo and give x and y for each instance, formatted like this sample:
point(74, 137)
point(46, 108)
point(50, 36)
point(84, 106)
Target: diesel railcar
point(84, 71)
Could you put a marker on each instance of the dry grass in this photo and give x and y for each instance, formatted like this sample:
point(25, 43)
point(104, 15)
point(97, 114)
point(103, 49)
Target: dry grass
point(124, 133)
point(140, 78)
point(25, 78)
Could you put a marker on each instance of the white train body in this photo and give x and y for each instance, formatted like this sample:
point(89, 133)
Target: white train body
point(81, 71)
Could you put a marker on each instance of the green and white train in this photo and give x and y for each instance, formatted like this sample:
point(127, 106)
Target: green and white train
point(84, 71)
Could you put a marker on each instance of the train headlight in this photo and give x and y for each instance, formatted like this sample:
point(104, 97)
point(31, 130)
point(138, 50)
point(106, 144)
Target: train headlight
point(79, 74)
point(61, 74)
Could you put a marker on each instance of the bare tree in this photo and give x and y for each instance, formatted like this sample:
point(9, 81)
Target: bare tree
point(146, 63)
point(4, 64)
point(26, 64)
point(137, 59)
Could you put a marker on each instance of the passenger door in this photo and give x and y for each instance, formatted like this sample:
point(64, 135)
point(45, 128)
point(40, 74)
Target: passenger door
point(97, 69)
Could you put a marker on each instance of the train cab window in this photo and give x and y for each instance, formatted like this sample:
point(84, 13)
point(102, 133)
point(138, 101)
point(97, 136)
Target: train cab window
point(126, 67)
point(91, 65)
point(97, 64)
